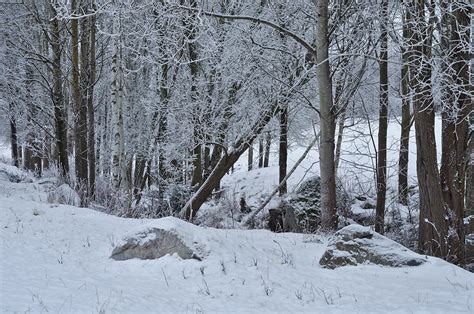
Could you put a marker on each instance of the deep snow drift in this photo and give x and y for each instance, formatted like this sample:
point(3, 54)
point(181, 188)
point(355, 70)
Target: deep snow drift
point(56, 258)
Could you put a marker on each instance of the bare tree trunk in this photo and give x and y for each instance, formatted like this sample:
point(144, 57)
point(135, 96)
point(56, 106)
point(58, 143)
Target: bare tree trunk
point(78, 94)
point(457, 108)
point(283, 151)
point(329, 218)
point(432, 223)
point(268, 142)
point(250, 157)
point(14, 141)
point(340, 135)
point(406, 116)
point(46, 150)
point(117, 111)
point(91, 157)
point(383, 123)
point(60, 116)
point(260, 152)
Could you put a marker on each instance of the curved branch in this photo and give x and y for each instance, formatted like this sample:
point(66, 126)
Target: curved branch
point(280, 29)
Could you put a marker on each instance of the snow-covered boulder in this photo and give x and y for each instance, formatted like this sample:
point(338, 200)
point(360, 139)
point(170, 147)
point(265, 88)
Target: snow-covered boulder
point(159, 238)
point(64, 194)
point(13, 174)
point(355, 244)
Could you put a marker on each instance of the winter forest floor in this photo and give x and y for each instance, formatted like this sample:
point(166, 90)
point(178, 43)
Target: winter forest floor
point(55, 258)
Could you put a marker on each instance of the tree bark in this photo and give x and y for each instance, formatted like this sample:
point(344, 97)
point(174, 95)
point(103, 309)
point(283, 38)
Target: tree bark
point(383, 123)
point(78, 94)
point(91, 157)
point(268, 143)
point(432, 223)
point(60, 115)
point(117, 110)
point(457, 107)
point(329, 218)
point(406, 115)
point(260, 152)
point(250, 157)
point(14, 141)
point(283, 151)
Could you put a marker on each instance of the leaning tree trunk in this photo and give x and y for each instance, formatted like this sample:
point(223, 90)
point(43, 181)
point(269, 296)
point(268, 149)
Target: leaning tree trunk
point(383, 123)
point(327, 120)
point(60, 116)
point(432, 223)
point(225, 164)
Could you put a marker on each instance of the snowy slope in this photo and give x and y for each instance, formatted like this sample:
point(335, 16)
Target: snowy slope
point(356, 169)
point(55, 258)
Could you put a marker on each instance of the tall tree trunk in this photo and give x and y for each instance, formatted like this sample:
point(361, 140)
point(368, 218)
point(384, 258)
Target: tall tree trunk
point(117, 111)
point(283, 151)
point(90, 105)
point(60, 115)
point(383, 123)
point(432, 223)
point(470, 170)
point(260, 152)
point(194, 69)
point(406, 116)
point(78, 93)
point(327, 120)
point(340, 135)
point(456, 111)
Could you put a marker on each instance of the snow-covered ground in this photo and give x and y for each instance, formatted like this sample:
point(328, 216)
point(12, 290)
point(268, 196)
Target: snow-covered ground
point(55, 258)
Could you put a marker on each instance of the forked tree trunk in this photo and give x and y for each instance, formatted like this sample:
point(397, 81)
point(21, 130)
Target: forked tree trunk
point(383, 123)
point(329, 219)
point(432, 223)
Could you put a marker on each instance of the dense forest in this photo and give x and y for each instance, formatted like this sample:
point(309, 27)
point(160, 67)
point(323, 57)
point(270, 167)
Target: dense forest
point(142, 107)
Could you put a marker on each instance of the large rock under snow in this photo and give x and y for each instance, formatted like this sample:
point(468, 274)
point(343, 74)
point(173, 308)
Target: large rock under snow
point(64, 194)
point(162, 237)
point(355, 244)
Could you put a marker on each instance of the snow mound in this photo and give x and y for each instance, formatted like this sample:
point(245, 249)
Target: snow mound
point(64, 194)
point(162, 237)
point(13, 174)
point(355, 244)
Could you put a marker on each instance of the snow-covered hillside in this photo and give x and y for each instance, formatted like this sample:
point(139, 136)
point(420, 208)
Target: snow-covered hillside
point(56, 258)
